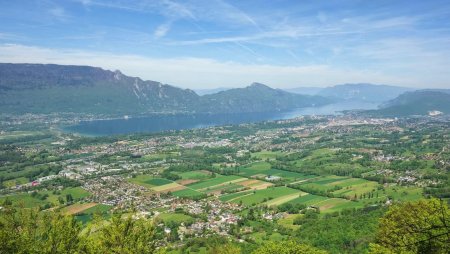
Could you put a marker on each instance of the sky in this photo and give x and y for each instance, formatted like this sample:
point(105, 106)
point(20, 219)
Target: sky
point(202, 44)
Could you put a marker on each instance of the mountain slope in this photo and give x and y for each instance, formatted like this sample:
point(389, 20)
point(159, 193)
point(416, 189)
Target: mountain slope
point(38, 88)
point(305, 90)
point(257, 98)
point(420, 102)
point(202, 92)
point(49, 88)
point(363, 92)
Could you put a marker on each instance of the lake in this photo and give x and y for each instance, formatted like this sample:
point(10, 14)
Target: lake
point(158, 123)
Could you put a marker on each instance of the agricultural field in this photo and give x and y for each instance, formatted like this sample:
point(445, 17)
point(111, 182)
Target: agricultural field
point(148, 181)
point(326, 204)
point(172, 186)
point(194, 175)
point(223, 188)
point(158, 181)
point(308, 200)
point(261, 196)
point(339, 186)
point(187, 193)
point(77, 208)
point(232, 196)
point(263, 169)
point(284, 199)
point(218, 180)
point(255, 184)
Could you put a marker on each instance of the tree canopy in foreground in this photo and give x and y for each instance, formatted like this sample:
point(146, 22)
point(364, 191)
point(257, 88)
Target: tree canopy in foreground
point(415, 227)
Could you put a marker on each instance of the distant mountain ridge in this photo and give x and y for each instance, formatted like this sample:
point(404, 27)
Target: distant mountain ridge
point(48, 88)
point(420, 102)
point(256, 97)
point(202, 92)
point(363, 92)
point(305, 90)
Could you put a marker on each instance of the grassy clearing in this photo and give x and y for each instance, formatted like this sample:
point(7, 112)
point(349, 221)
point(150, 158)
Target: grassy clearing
point(77, 193)
point(28, 201)
point(337, 204)
point(25, 200)
point(288, 221)
point(16, 181)
point(177, 218)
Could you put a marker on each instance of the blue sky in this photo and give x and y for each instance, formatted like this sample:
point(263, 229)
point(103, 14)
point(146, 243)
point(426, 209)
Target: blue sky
point(224, 43)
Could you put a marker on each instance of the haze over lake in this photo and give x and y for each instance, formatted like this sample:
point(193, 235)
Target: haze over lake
point(165, 122)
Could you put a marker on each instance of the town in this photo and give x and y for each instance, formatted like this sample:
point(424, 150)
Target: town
point(232, 181)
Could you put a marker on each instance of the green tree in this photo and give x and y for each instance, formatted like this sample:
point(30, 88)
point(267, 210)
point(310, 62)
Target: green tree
point(225, 249)
point(29, 231)
point(69, 198)
point(415, 227)
point(123, 235)
point(287, 247)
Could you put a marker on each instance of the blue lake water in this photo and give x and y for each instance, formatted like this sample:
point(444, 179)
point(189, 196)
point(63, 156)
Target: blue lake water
point(158, 123)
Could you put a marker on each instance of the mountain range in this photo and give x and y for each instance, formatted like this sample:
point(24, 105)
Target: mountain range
point(48, 88)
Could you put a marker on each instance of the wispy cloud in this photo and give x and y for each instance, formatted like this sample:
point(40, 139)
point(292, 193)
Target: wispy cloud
point(58, 13)
point(162, 30)
point(292, 34)
point(177, 10)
